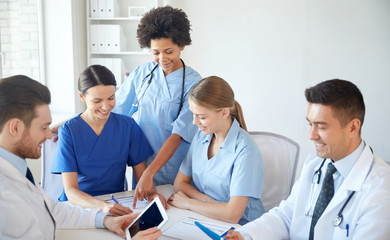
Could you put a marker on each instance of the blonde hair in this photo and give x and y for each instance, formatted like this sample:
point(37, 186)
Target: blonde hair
point(215, 93)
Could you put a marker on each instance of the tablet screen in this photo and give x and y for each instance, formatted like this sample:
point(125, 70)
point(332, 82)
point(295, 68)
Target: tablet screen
point(150, 218)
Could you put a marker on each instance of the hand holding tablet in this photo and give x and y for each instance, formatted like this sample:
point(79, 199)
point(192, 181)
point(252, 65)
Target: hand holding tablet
point(154, 215)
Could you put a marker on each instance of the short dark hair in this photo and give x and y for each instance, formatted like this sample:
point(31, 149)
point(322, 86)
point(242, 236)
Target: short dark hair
point(164, 22)
point(95, 75)
point(19, 96)
point(343, 96)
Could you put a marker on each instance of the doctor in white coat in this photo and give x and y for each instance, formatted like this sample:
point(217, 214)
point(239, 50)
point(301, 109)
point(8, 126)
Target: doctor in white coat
point(360, 205)
point(25, 210)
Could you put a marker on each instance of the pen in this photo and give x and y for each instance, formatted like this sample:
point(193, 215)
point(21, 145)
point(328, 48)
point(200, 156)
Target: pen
point(347, 227)
point(210, 233)
point(114, 199)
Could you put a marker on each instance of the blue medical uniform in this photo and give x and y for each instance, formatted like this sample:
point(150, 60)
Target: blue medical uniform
point(100, 161)
point(236, 170)
point(157, 111)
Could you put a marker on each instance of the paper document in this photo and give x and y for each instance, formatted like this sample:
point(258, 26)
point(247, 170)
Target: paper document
point(128, 202)
point(187, 230)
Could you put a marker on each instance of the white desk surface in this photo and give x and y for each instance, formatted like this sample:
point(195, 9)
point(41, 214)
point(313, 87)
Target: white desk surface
point(174, 215)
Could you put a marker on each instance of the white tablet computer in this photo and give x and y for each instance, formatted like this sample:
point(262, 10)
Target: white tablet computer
point(154, 215)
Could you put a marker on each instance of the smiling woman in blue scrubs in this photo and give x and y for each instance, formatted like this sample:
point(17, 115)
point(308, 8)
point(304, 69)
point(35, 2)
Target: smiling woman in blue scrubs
point(95, 147)
point(222, 175)
point(158, 92)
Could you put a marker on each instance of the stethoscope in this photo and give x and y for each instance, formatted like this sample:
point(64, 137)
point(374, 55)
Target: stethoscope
point(314, 185)
point(150, 75)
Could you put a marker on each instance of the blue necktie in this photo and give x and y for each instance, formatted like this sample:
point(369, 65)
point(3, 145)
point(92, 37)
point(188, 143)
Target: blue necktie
point(324, 198)
point(29, 176)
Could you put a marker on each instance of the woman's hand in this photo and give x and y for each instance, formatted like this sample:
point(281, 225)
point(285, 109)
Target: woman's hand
point(116, 209)
point(179, 200)
point(233, 235)
point(54, 131)
point(144, 187)
point(162, 199)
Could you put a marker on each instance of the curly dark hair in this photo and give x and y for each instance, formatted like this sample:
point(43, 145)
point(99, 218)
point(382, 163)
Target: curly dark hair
point(164, 22)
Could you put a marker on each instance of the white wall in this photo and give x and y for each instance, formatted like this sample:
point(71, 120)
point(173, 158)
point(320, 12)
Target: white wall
point(270, 51)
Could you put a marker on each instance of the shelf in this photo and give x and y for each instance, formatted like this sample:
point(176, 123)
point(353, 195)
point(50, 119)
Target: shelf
point(121, 53)
point(116, 19)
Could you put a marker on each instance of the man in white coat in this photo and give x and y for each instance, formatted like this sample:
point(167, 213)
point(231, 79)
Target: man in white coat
point(25, 210)
point(352, 198)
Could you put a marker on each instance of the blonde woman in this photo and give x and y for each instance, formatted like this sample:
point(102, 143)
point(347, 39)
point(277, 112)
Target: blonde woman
point(222, 174)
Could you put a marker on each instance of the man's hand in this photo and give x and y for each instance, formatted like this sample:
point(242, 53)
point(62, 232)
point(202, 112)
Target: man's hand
point(54, 131)
point(116, 209)
point(149, 234)
point(119, 224)
point(233, 235)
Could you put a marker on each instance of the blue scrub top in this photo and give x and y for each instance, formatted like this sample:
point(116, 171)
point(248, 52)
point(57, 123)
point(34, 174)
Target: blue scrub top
point(100, 161)
point(157, 111)
point(236, 170)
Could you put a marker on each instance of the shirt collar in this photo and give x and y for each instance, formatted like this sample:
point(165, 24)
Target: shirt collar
point(229, 143)
point(17, 162)
point(230, 140)
point(345, 165)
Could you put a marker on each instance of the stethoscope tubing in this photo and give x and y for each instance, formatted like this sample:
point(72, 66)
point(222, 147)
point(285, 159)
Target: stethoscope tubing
point(150, 75)
point(339, 218)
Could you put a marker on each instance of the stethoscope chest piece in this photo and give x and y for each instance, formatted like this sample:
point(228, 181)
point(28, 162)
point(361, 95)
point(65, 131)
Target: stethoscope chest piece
point(338, 220)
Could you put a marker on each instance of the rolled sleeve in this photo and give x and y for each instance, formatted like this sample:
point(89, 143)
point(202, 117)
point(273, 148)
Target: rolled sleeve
point(99, 220)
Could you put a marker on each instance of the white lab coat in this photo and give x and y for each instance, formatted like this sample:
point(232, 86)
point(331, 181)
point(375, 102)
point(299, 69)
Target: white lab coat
point(367, 213)
point(22, 210)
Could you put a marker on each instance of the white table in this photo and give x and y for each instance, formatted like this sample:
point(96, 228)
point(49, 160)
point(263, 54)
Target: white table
point(174, 215)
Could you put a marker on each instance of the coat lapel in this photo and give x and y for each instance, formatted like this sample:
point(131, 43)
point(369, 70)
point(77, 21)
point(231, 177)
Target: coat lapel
point(353, 182)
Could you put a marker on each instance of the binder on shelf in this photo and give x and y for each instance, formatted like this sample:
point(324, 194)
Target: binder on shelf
point(93, 6)
point(112, 9)
point(102, 8)
point(117, 39)
point(93, 41)
point(105, 34)
point(118, 70)
point(106, 38)
point(100, 38)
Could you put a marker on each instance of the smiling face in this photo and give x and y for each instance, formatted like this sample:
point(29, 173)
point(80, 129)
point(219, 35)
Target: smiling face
point(331, 140)
point(30, 144)
point(167, 54)
point(100, 101)
point(209, 121)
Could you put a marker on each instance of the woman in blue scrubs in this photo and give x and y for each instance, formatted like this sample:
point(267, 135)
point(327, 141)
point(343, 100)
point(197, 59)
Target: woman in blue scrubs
point(158, 92)
point(95, 147)
point(222, 175)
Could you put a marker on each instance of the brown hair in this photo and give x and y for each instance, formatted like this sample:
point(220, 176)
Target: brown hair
point(215, 93)
point(343, 96)
point(95, 75)
point(19, 97)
